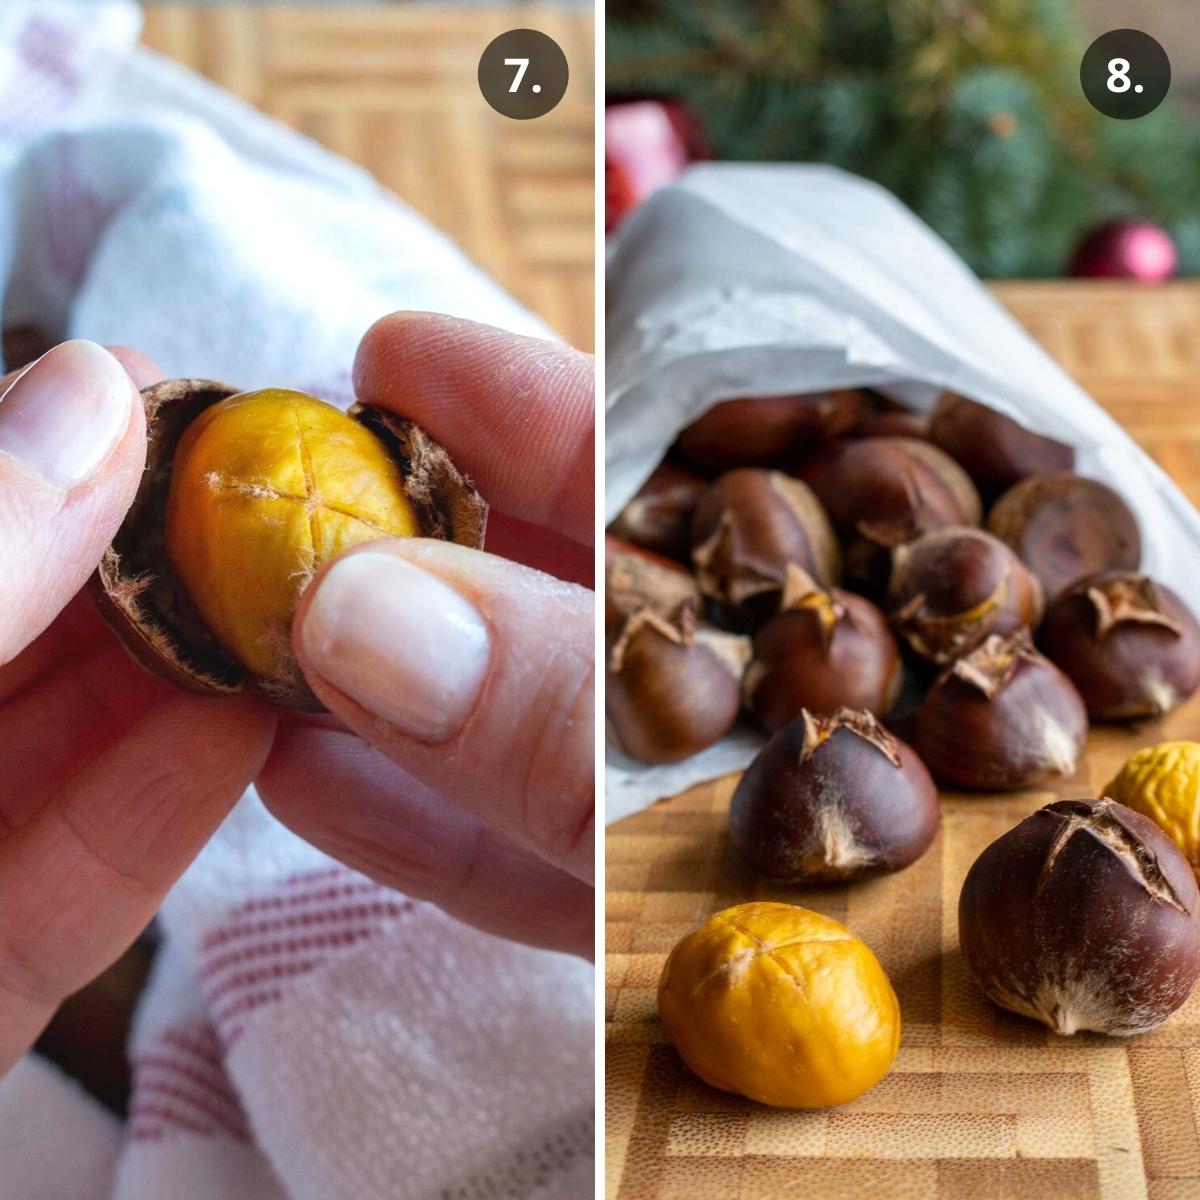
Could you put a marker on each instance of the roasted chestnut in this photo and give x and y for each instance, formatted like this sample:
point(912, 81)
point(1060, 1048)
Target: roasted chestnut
point(635, 578)
point(1129, 644)
point(892, 424)
point(245, 497)
point(1001, 717)
point(833, 797)
point(767, 431)
point(950, 588)
point(746, 530)
point(1063, 527)
point(659, 517)
point(993, 449)
point(880, 492)
point(673, 686)
point(823, 650)
point(1084, 916)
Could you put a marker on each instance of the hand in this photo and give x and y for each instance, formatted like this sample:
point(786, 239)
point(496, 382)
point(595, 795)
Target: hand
point(110, 781)
point(463, 772)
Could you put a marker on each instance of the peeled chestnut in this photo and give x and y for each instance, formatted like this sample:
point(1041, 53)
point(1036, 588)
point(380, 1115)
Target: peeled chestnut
point(950, 588)
point(1129, 644)
point(1084, 916)
point(823, 650)
point(1063, 527)
point(635, 578)
point(993, 449)
point(659, 517)
point(833, 797)
point(767, 431)
point(244, 498)
point(673, 687)
point(1001, 717)
point(880, 492)
point(748, 527)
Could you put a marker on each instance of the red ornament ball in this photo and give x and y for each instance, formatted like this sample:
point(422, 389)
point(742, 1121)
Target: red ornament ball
point(647, 143)
point(1126, 249)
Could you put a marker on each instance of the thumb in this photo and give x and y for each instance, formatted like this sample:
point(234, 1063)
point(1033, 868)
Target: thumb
point(473, 673)
point(72, 449)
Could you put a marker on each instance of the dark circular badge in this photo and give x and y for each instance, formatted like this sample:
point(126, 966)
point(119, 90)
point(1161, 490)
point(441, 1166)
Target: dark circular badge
point(523, 74)
point(1125, 74)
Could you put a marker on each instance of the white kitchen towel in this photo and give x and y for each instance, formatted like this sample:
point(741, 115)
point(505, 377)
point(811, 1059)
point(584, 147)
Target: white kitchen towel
point(305, 1033)
point(774, 279)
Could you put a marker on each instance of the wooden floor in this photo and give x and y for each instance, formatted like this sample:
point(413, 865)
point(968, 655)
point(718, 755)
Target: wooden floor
point(394, 89)
point(979, 1103)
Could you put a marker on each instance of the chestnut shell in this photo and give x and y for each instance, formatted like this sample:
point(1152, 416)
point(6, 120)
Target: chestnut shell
point(1064, 526)
point(1083, 916)
point(138, 594)
point(1001, 717)
point(952, 587)
point(993, 449)
point(823, 650)
point(1130, 645)
point(672, 686)
point(833, 797)
point(767, 431)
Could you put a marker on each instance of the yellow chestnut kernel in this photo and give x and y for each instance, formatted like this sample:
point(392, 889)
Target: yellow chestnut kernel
point(1163, 783)
point(781, 1004)
point(266, 488)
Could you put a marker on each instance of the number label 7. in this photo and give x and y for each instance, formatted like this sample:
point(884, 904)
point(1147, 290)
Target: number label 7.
point(522, 65)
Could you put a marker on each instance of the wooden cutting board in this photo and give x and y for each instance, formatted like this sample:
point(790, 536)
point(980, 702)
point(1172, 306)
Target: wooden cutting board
point(979, 1103)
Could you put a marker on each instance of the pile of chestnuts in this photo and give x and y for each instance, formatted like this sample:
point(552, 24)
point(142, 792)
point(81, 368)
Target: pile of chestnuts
point(950, 574)
point(838, 570)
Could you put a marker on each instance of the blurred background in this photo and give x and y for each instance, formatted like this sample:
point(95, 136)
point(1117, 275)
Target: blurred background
point(392, 87)
point(969, 110)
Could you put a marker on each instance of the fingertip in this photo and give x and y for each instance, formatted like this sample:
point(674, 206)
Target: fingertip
point(142, 369)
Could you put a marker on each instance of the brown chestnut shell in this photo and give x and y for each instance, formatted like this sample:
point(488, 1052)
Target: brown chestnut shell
point(1001, 717)
point(1131, 646)
point(952, 587)
point(993, 449)
point(1083, 916)
point(882, 491)
point(635, 578)
point(136, 589)
point(672, 686)
point(1064, 526)
point(831, 798)
point(767, 431)
point(823, 650)
point(659, 517)
point(748, 527)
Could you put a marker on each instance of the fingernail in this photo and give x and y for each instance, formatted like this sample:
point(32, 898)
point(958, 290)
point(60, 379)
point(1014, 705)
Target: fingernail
point(63, 417)
point(399, 641)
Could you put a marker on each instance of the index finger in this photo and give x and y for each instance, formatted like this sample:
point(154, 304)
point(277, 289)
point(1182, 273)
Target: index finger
point(517, 414)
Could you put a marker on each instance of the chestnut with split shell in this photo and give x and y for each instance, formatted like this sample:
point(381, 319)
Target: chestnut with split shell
point(1001, 717)
point(1064, 526)
point(748, 527)
point(244, 498)
point(1130, 645)
point(823, 650)
point(883, 491)
point(831, 798)
point(635, 578)
point(673, 686)
point(953, 587)
point(1083, 916)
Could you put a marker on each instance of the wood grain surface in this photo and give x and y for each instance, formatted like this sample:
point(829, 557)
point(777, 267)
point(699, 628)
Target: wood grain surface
point(980, 1103)
point(394, 89)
